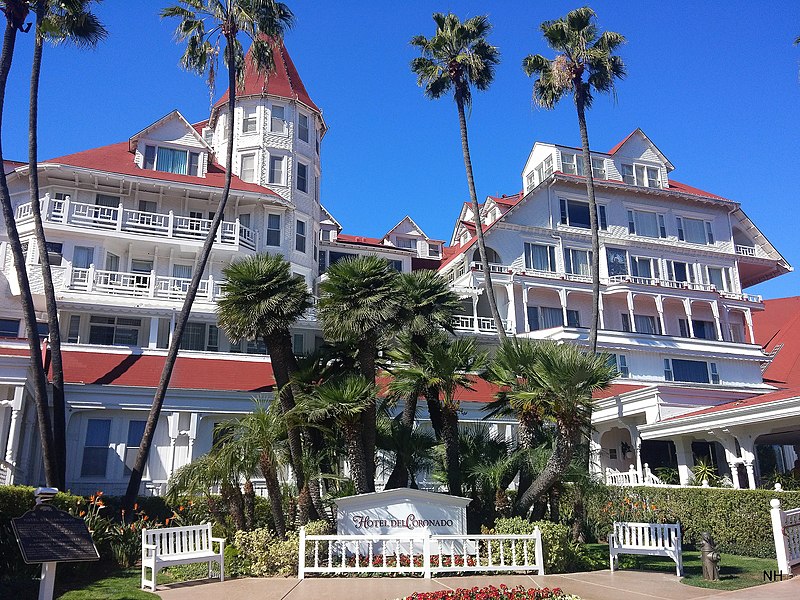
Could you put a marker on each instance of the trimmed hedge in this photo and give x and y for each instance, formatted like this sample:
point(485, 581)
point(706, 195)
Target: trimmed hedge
point(738, 520)
point(559, 556)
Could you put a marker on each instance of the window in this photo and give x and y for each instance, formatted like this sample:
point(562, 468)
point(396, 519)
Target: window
point(112, 262)
point(544, 317)
point(704, 330)
point(627, 174)
point(194, 336)
point(148, 206)
point(73, 333)
point(690, 371)
point(545, 169)
point(278, 121)
point(598, 168)
point(577, 262)
point(571, 163)
point(573, 318)
point(212, 344)
point(95, 449)
point(24, 250)
point(644, 267)
point(300, 236)
point(170, 160)
point(646, 224)
point(643, 324)
point(714, 373)
point(617, 262)
point(247, 168)
point(298, 343)
point(42, 330)
point(406, 243)
point(141, 266)
point(208, 135)
point(302, 177)
point(276, 169)
point(54, 253)
point(646, 176)
point(325, 235)
point(302, 127)
point(622, 366)
point(434, 250)
point(540, 257)
point(194, 164)
point(574, 213)
point(135, 434)
point(530, 181)
point(601, 217)
point(397, 265)
point(718, 277)
point(182, 271)
point(150, 158)
point(114, 331)
point(273, 230)
point(694, 231)
point(680, 271)
point(249, 120)
point(9, 328)
point(82, 257)
point(244, 220)
point(106, 200)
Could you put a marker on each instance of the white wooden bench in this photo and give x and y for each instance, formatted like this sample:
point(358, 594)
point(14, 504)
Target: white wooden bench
point(179, 546)
point(651, 539)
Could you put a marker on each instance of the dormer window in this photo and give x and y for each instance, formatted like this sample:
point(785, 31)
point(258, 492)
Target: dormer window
point(545, 169)
point(250, 120)
point(640, 175)
point(434, 250)
point(571, 163)
point(406, 243)
point(598, 168)
point(208, 135)
point(171, 160)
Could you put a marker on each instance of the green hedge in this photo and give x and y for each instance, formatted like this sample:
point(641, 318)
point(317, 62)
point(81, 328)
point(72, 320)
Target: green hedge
point(738, 520)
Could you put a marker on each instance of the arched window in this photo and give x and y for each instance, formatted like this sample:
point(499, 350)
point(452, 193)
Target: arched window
point(491, 254)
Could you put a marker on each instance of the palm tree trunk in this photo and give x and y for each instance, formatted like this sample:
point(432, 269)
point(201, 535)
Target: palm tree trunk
point(580, 102)
point(399, 476)
point(26, 299)
point(367, 350)
point(273, 494)
point(183, 317)
point(554, 469)
point(451, 449)
point(54, 330)
point(249, 500)
point(357, 459)
point(232, 497)
point(435, 412)
point(487, 276)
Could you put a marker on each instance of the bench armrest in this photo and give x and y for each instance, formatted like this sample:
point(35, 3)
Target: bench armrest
point(148, 549)
point(612, 540)
point(220, 541)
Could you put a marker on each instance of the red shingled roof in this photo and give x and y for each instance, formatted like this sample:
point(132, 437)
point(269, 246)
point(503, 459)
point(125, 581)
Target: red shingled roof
point(508, 200)
point(361, 240)
point(784, 394)
point(674, 186)
point(615, 389)
point(117, 158)
point(191, 373)
point(284, 81)
point(779, 323)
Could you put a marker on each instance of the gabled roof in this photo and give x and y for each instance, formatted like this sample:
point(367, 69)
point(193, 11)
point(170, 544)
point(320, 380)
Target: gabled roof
point(283, 82)
point(175, 114)
point(326, 212)
point(508, 200)
point(117, 158)
point(638, 132)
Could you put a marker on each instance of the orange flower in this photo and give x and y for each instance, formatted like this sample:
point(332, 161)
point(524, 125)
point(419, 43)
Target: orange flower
point(167, 521)
point(136, 506)
point(180, 508)
point(91, 498)
point(100, 493)
point(652, 507)
point(82, 513)
point(144, 518)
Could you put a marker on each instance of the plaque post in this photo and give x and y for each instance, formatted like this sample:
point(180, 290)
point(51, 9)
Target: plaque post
point(48, 582)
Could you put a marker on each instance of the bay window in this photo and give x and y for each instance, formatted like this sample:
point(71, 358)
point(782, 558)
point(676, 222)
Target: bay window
point(302, 127)
point(544, 169)
point(273, 230)
point(249, 120)
point(278, 119)
point(680, 271)
point(718, 277)
point(276, 169)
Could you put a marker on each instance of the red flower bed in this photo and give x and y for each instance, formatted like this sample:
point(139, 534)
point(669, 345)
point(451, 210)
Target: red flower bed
point(405, 561)
point(492, 593)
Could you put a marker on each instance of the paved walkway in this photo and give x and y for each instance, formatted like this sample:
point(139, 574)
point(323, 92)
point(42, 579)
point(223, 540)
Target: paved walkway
point(596, 585)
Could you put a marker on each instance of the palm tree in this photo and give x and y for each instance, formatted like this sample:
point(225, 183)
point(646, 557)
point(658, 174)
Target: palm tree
point(16, 13)
point(263, 299)
point(204, 24)
point(553, 390)
point(359, 305)
point(59, 22)
point(343, 401)
point(411, 447)
point(444, 368)
point(458, 57)
point(585, 63)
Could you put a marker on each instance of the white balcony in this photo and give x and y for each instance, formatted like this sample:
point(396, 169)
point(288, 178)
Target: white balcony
point(482, 324)
point(493, 268)
point(143, 285)
point(118, 218)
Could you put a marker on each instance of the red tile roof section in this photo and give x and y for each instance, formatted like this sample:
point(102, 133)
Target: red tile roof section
point(139, 370)
point(361, 240)
point(775, 396)
point(674, 186)
point(283, 82)
point(779, 323)
point(508, 200)
point(116, 158)
point(615, 389)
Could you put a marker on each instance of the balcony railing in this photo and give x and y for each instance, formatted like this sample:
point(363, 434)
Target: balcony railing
point(118, 218)
point(677, 285)
point(745, 250)
point(493, 267)
point(144, 285)
point(485, 324)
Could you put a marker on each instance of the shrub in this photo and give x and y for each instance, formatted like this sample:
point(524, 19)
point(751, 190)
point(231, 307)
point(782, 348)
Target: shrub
point(738, 520)
point(558, 553)
point(261, 554)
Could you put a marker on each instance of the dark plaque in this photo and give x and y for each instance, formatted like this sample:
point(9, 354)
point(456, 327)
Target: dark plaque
point(47, 534)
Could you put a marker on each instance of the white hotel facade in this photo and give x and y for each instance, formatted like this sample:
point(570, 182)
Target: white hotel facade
point(124, 223)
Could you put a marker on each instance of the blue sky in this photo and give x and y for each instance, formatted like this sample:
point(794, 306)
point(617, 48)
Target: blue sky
point(714, 84)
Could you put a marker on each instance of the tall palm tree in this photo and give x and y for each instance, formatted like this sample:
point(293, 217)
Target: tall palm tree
point(412, 448)
point(343, 401)
point(69, 21)
point(263, 299)
point(446, 367)
point(359, 305)
point(457, 58)
point(585, 64)
point(555, 390)
point(205, 25)
point(16, 13)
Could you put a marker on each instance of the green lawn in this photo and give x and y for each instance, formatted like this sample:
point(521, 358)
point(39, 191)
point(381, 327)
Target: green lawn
point(736, 572)
point(119, 585)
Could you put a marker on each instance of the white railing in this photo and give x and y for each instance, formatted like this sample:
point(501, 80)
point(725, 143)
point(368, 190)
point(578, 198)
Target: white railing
point(576, 277)
point(493, 267)
point(745, 250)
point(654, 281)
point(632, 477)
point(6, 473)
point(147, 285)
point(745, 297)
point(419, 554)
point(486, 324)
point(786, 533)
point(118, 218)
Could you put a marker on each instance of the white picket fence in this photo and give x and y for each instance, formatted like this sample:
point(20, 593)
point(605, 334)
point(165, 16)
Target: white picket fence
point(419, 554)
point(786, 532)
